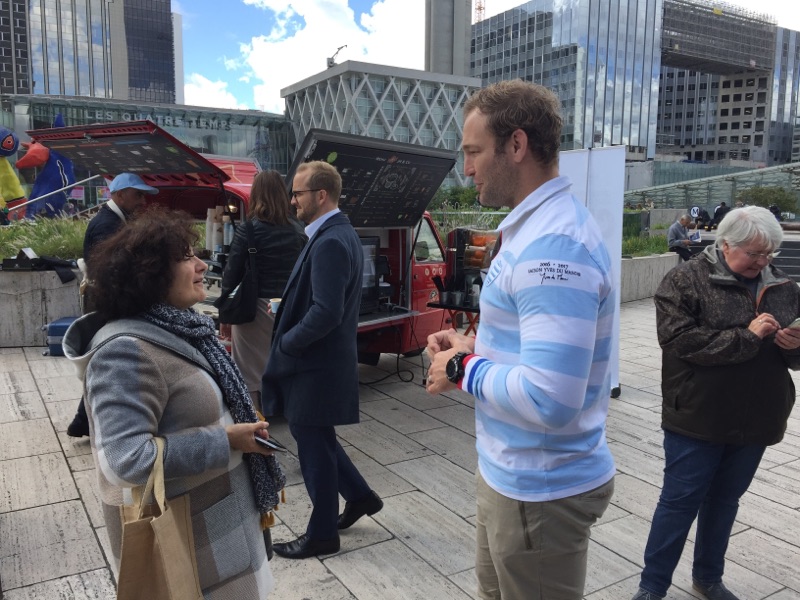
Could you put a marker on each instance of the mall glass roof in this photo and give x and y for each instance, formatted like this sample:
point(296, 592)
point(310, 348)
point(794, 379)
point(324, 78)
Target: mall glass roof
point(710, 191)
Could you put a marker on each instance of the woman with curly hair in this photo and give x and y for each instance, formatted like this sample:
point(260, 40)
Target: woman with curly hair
point(153, 367)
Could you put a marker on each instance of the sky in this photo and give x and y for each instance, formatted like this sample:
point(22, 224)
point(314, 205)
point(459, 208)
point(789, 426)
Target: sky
point(241, 53)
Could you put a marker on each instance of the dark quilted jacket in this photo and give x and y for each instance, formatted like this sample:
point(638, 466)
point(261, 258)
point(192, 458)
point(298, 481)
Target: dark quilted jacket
point(721, 382)
point(278, 248)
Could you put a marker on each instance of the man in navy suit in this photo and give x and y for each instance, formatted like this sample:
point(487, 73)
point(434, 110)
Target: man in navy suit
point(312, 373)
point(127, 196)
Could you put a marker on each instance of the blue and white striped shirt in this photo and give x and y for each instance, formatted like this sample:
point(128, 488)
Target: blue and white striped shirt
point(541, 375)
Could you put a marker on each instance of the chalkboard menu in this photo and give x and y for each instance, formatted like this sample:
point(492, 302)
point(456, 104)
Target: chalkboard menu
point(384, 184)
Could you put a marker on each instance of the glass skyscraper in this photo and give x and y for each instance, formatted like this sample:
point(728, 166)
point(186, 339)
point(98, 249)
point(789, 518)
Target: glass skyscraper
point(601, 58)
point(120, 49)
point(151, 63)
point(70, 47)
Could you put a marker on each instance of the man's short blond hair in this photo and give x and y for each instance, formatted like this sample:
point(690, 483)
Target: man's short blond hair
point(324, 176)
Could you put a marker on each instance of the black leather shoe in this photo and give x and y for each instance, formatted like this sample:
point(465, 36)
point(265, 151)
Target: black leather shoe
point(78, 428)
point(303, 547)
point(353, 511)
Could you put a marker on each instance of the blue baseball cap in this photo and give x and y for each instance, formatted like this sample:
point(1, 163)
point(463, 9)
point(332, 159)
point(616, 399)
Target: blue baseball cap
point(124, 181)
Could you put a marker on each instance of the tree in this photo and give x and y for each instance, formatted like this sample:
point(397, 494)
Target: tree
point(767, 196)
point(454, 198)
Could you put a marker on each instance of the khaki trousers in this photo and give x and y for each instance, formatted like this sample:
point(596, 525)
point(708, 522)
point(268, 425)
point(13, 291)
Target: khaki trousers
point(535, 550)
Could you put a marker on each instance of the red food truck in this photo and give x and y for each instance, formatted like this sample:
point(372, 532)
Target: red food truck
point(386, 188)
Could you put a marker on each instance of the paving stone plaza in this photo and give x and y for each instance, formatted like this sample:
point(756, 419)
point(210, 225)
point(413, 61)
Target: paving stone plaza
point(418, 453)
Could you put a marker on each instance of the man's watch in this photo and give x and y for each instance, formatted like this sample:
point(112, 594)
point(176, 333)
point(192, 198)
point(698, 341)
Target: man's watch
point(455, 367)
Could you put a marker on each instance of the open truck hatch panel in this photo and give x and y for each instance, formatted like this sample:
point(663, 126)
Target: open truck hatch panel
point(186, 180)
point(384, 183)
point(140, 147)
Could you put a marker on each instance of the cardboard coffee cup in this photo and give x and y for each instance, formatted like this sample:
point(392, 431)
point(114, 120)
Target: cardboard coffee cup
point(274, 303)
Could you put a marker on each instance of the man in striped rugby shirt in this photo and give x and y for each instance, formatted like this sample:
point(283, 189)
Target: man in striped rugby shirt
point(539, 366)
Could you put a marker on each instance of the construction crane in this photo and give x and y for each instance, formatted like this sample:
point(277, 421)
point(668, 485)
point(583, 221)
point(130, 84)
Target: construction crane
point(480, 9)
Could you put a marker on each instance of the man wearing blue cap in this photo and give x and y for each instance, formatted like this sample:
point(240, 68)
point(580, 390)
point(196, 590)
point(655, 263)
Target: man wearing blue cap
point(127, 196)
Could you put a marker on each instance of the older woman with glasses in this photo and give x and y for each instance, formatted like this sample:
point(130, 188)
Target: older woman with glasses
point(723, 325)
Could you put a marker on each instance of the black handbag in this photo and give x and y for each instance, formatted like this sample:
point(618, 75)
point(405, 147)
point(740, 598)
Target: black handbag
point(239, 306)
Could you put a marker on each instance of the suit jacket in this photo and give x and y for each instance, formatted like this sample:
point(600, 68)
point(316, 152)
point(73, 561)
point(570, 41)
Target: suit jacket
point(312, 373)
point(103, 225)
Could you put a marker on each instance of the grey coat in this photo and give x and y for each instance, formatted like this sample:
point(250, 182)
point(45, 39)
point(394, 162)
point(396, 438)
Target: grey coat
point(141, 382)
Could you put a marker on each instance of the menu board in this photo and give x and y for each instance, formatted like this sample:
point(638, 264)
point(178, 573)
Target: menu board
point(384, 184)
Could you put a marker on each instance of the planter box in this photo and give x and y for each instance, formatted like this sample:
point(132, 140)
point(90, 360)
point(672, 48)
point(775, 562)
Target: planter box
point(640, 276)
point(29, 300)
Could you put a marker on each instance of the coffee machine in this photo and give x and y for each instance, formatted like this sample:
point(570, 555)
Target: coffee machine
point(470, 254)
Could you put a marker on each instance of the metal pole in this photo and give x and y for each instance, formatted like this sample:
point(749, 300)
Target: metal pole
point(55, 192)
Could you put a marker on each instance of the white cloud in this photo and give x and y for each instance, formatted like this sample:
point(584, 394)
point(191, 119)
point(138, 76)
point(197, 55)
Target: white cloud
point(200, 91)
point(311, 31)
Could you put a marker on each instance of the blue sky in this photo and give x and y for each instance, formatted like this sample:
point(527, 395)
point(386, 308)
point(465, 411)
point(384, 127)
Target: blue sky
point(240, 53)
point(241, 57)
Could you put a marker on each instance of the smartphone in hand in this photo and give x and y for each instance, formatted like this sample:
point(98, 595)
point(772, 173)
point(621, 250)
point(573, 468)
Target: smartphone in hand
point(272, 444)
point(795, 324)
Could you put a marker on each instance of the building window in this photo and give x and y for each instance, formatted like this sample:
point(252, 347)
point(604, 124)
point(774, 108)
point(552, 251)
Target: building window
point(737, 97)
point(723, 126)
point(723, 139)
point(735, 125)
point(723, 112)
point(734, 155)
point(726, 98)
point(734, 140)
point(691, 87)
point(749, 96)
point(721, 154)
point(736, 112)
point(747, 124)
point(751, 82)
point(746, 139)
point(758, 140)
point(726, 84)
point(738, 83)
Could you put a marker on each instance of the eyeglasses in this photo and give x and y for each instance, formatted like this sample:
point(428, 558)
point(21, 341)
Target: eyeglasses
point(761, 256)
point(296, 193)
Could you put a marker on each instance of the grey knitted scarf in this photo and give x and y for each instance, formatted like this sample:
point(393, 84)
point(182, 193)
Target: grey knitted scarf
point(198, 330)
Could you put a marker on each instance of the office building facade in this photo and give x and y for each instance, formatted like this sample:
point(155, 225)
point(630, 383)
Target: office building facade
point(601, 58)
point(116, 49)
point(389, 103)
point(703, 80)
point(151, 51)
point(447, 36)
point(728, 90)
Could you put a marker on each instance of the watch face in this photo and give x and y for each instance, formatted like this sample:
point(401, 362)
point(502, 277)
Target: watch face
point(452, 369)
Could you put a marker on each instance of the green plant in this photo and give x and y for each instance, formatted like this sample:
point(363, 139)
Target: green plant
point(448, 220)
point(60, 238)
point(767, 196)
point(644, 245)
point(454, 197)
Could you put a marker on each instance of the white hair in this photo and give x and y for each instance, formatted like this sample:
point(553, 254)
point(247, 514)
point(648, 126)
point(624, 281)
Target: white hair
point(750, 224)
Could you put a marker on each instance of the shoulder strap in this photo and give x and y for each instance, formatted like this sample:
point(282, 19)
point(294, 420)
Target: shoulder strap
point(251, 249)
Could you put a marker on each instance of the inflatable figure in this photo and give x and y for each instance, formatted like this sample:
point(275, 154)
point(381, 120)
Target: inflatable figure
point(56, 173)
point(11, 192)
